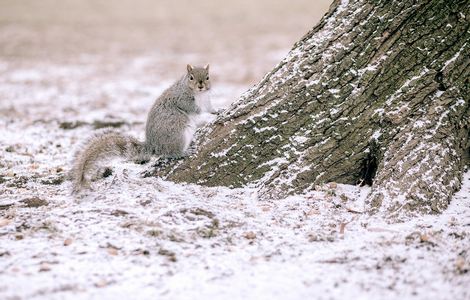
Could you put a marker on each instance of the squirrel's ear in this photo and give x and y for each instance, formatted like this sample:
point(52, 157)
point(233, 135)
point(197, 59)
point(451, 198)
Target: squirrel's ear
point(207, 67)
point(189, 67)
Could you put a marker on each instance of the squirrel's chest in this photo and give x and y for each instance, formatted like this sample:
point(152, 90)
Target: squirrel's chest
point(192, 120)
point(203, 101)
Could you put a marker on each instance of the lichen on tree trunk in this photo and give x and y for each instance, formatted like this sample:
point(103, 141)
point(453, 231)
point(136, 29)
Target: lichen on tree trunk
point(376, 93)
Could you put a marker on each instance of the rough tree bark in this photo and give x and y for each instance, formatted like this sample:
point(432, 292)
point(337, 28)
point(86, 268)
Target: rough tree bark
point(376, 93)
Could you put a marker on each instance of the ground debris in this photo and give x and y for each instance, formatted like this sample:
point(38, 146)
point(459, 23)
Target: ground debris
point(169, 254)
point(44, 267)
point(462, 262)
point(6, 205)
point(112, 251)
point(4, 222)
point(18, 181)
point(339, 260)
point(34, 202)
point(101, 283)
point(250, 235)
point(71, 125)
point(119, 213)
point(97, 124)
point(53, 179)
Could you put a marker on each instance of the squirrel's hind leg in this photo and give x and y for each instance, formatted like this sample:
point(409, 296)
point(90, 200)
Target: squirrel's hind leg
point(142, 159)
point(143, 156)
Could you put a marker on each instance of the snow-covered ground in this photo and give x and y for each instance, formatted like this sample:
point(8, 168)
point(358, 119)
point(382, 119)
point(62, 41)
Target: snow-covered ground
point(145, 238)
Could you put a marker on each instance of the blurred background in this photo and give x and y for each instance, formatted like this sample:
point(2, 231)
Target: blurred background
point(95, 52)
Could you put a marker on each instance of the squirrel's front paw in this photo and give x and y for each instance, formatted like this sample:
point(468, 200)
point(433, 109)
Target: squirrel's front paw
point(218, 111)
point(191, 150)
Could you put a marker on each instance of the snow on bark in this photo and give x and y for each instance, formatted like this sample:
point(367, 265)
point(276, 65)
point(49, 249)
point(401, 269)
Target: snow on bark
point(376, 93)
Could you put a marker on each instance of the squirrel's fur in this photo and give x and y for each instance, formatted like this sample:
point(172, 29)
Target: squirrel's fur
point(170, 127)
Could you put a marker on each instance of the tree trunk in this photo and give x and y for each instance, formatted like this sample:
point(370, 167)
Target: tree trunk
point(376, 93)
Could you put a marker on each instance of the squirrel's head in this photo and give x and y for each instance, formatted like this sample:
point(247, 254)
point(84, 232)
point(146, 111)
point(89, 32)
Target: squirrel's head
point(198, 78)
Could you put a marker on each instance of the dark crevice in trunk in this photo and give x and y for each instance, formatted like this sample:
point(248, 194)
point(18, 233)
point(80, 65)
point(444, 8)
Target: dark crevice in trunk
point(370, 165)
point(439, 78)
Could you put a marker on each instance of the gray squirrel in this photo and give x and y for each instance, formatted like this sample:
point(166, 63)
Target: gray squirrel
point(171, 124)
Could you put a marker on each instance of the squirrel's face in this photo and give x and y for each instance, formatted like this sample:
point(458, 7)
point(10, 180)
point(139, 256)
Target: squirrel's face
point(198, 78)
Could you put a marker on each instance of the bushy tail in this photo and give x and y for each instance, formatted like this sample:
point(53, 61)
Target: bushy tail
point(104, 144)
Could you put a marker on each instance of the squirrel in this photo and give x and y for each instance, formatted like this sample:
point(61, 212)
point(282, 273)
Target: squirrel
point(170, 128)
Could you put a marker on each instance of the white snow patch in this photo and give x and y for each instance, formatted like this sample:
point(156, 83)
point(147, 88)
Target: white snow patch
point(451, 60)
point(377, 134)
point(398, 92)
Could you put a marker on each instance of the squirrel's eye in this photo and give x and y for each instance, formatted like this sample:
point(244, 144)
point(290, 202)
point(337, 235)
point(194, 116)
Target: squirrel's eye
point(191, 77)
point(207, 78)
